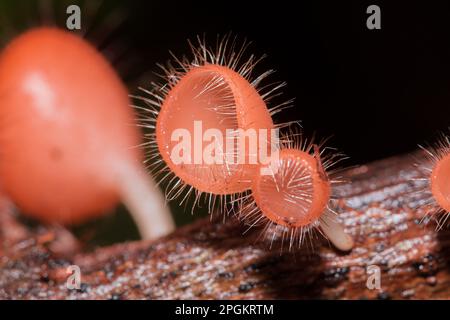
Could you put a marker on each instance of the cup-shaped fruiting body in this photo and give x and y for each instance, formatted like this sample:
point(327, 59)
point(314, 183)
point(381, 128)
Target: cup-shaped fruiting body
point(436, 174)
point(292, 195)
point(68, 140)
point(211, 97)
point(297, 193)
point(210, 122)
point(440, 183)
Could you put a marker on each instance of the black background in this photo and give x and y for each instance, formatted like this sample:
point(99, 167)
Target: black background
point(166, 309)
point(377, 92)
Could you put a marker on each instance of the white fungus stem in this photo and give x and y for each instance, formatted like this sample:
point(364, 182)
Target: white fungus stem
point(145, 202)
point(334, 231)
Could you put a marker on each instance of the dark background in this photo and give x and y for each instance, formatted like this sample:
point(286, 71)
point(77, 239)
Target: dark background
point(378, 93)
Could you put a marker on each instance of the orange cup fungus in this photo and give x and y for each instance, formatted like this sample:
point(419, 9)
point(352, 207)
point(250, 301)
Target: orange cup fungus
point(440, 186)
point(210, 93)
point(67, 140)
point(218, 98)
point(294, 197)
point(213, 99)
point(437, 171)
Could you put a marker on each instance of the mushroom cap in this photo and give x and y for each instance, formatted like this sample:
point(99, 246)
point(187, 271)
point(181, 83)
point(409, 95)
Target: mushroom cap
point(66, 122)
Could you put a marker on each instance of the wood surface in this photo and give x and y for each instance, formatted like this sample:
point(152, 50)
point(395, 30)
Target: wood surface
point(382, 207)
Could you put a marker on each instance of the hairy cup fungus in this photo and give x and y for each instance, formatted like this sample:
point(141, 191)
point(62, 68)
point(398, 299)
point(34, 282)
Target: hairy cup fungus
point(292, 197)
point(68, 143)
point(437, 173)
point(212, 99)
point(206, 98)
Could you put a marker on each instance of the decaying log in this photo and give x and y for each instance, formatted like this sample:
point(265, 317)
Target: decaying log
point(215, 261)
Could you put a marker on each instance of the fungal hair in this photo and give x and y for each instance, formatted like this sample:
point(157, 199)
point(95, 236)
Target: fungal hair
point(292, 237)
point(230, 52)
point(433, 154)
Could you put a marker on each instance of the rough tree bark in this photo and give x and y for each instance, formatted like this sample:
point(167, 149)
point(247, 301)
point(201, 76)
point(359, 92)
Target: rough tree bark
point(215, 261)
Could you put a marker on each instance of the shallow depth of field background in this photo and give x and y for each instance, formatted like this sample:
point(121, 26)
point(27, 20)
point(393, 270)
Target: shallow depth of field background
point(377, 92)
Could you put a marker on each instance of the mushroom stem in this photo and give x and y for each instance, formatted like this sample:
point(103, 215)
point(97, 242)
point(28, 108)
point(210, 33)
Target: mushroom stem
point(334, 231)
point(145, 202)
point(10, 228)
